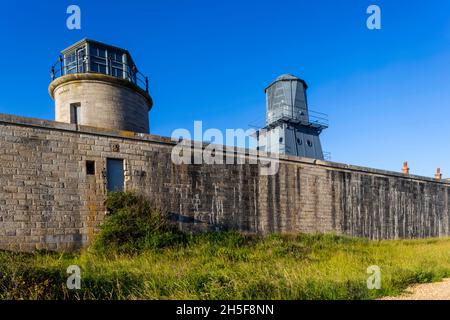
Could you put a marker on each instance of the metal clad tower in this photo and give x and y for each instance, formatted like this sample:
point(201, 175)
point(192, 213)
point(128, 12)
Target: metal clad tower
point(99, 85)
point(287, 112)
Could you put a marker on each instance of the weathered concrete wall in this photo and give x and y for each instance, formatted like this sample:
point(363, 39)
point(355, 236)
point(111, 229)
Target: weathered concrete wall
point(48, 201)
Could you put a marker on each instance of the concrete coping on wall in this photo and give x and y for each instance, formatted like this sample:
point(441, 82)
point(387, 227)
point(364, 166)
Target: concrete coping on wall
point(128, 135)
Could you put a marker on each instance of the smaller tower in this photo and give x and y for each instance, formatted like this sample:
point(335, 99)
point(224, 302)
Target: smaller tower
point(287, 113)
point(99, 85)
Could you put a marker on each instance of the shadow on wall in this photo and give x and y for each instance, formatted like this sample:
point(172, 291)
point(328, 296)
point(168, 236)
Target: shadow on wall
point(191, 224)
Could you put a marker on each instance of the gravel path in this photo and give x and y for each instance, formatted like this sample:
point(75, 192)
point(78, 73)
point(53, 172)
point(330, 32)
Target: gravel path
point(427, 291)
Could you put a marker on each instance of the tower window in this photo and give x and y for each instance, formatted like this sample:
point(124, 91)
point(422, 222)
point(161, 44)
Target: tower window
point(75, 113)
point(309, 143)
point(300, 142)
point(90, 167)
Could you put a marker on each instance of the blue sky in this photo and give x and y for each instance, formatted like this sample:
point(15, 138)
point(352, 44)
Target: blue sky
point(387, 92)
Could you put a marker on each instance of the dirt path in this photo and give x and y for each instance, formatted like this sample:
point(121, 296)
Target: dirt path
point(427, 291)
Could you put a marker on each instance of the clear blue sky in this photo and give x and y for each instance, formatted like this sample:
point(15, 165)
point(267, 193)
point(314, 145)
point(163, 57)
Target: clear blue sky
point(387, 92)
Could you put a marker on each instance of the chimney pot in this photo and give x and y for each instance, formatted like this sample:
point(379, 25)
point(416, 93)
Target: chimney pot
point(405, 169)
point(438, 174)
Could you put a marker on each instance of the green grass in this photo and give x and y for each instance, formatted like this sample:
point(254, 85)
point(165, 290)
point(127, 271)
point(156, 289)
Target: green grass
point(138, 255)
point(231, 266)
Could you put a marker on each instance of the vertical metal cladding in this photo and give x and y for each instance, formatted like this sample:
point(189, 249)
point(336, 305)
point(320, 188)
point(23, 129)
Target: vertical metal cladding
point(290, 126)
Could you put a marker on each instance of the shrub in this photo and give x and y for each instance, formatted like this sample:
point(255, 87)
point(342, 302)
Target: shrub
point(132, 225)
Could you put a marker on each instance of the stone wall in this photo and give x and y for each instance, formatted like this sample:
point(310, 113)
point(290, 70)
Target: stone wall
point(47, 200)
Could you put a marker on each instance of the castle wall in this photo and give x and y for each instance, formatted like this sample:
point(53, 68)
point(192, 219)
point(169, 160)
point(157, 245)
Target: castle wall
point(47, 200)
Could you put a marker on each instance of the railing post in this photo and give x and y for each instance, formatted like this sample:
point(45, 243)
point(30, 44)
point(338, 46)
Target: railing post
point(53, 73)
point(133, 74)
point(109, 67)
point(61, 70)
point(146, 84)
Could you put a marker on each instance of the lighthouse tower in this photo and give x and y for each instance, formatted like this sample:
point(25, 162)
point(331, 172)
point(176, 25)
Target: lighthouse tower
point(297, 128)
point(96, 84)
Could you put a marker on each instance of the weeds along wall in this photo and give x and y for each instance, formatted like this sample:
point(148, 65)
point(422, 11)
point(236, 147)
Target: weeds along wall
point(48, 199)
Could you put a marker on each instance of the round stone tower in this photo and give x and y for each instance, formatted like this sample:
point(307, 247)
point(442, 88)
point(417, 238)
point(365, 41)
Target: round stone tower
point(95, 84)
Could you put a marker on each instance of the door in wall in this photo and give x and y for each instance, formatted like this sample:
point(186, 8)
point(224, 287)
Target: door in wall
point(115, 175)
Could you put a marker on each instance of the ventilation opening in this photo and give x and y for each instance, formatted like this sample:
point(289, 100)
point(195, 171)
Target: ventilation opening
point(90, 167)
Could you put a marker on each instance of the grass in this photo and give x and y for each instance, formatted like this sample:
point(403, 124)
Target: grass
point(225, 265)
point(231, 266)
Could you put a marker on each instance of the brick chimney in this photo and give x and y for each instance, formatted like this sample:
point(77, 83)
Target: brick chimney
point(405, 169)
point(438, 174)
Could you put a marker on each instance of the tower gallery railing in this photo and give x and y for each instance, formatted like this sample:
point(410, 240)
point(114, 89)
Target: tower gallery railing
point(315, 118)
point(110, 67)
point(298, 115)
